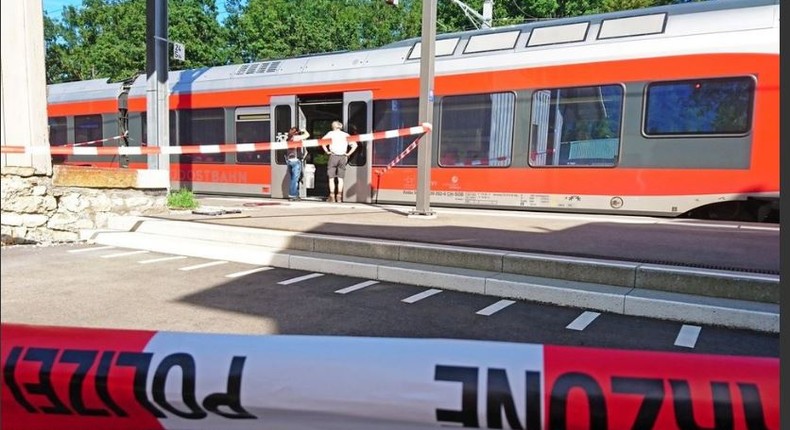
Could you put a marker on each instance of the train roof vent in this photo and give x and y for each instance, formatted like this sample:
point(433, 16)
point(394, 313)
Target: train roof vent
point(243, 68)
point(272, 67)
point(253, 68)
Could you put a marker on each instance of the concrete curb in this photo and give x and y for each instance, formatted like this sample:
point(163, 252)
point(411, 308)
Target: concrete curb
point(618, 287)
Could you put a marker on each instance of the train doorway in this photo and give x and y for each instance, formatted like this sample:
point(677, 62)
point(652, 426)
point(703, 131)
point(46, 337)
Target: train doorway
point(315, 113)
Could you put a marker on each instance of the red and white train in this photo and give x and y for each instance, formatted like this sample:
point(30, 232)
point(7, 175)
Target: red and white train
point(669, 111)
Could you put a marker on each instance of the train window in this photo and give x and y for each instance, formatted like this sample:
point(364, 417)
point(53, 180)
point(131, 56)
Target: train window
point(87, 128)
point(442, 48)
point(58, 136)
point(358, 124)
point(390, 115)
point(576, 126)
point(253, 128)
point(556, 34)
point(632, 26)
point(477, 130)
point(699, 107)
point(58, 131)
point(492, 42)
point(201, 127)
point(282, 123)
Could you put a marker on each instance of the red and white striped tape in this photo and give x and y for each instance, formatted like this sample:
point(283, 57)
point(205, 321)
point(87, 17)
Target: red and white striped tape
point(400, 157)
point(93, 142)
point(80, 378)
point(208, 149)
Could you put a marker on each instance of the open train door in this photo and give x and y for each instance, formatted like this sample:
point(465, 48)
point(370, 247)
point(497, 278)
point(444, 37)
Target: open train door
point(358, 119)
point(283, 110)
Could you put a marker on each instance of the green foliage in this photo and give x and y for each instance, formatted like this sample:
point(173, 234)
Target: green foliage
point(320, 159)
point(182, 199)
point(106, 39)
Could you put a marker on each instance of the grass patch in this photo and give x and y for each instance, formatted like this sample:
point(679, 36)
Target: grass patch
point(182, 199)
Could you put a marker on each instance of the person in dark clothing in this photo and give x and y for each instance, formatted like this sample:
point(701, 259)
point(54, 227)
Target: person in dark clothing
point(294, 161)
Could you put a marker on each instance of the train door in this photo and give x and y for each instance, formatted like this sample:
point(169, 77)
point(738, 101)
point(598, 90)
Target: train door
point(358, 119)
point(283, 110)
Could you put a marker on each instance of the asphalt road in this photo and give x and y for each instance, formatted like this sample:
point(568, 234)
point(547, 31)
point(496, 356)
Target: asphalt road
point(95, 286)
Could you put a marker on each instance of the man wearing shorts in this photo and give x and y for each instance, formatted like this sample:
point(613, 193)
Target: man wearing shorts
point(339, 150)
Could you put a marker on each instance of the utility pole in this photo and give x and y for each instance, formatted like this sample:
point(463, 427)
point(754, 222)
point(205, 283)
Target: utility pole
point(427, 54)
point(427, 63)
point(488, 13)
point(486, 20)
point(156, 65)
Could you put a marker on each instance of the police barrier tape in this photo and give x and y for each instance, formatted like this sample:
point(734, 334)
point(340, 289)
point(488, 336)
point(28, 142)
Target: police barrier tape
point(400, 157)
point(411, 148)
point(208, 149)
point(82, 378)
point(93, 142)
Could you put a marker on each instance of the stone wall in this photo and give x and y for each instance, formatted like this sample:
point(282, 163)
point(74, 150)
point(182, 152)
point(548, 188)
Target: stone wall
point(39, 208)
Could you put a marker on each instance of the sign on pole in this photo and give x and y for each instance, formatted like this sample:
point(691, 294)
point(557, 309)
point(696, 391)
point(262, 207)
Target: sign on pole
point(178, 51)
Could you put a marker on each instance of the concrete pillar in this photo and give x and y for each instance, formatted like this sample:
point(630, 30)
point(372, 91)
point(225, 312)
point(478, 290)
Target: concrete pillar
point(23, 104)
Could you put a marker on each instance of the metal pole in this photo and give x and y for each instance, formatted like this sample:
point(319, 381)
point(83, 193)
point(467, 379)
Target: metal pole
point(488, 13)
point(423, 204)
point(157, 108)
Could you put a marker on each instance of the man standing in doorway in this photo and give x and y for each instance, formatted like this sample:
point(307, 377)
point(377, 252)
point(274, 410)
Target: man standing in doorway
point(339, 150)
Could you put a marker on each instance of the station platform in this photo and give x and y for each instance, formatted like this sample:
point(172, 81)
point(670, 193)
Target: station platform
point(719, 273)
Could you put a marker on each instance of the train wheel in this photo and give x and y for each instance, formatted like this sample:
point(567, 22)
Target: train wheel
point(727, 211)
point(749, 211)
point(766, 212)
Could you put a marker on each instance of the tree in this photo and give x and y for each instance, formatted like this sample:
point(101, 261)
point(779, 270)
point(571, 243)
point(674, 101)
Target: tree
point(194, 23)
point(271, 29)
point(107, 38)
point(56, 51)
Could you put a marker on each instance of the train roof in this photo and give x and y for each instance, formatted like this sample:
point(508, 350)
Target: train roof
point(674, 9)
point(652, 22)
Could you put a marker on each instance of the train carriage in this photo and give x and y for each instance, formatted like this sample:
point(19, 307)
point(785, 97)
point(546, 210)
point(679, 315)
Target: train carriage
point(669, 111)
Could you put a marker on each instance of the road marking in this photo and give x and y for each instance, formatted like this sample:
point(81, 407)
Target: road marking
point(687, 336)
point(99, 248)
point(582, 321)
point(158, 260)
point(459, 240)
point(124, 254)
point(759, 227)
point(356, 287)
point(247, 272)
point(300, 279)
point(496, 307)
point(200, 266)
point(422, 295)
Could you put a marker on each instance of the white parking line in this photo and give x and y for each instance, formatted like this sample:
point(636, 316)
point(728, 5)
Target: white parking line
point(496, 307)
point(687, 336)
point(300, 279)
point(247, 272)
point(124, 254)
point(422, 295)
point(200, 266)
point(759, 227)
point(582, 321)
point(99, 248)
point(159, 260)
point(356, 287)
